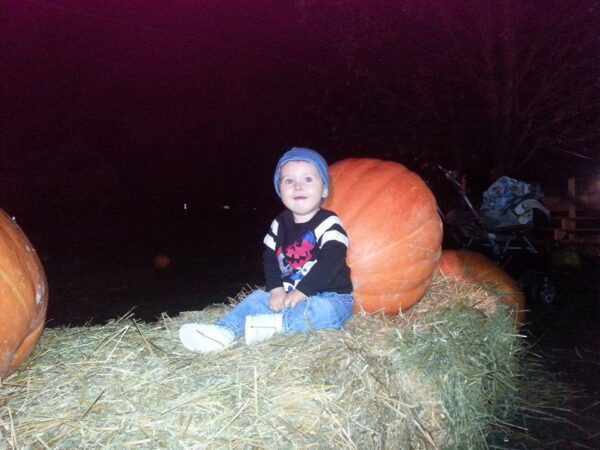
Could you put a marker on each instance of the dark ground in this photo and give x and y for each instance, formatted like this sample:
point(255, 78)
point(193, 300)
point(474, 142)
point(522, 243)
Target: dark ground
point(96, 273)
point(566, 336)
point(105, 271)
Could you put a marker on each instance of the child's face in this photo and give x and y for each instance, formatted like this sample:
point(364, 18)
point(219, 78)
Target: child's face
point(302, 189)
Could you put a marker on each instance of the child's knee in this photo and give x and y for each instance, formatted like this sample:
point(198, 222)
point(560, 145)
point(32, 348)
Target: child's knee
point(325, 312)
point(257, 297)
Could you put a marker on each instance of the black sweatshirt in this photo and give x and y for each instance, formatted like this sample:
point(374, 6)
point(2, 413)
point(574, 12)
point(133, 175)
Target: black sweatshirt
point(310, 257)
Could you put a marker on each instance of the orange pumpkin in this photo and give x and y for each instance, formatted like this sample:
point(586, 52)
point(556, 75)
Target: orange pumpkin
point(394, 229)
point(23, 296)
point(468, 267)
point(161, 261)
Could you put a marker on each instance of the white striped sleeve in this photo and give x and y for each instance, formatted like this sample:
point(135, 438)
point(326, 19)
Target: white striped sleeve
point(269, 242)
point(334, 235)
point(274, 227)
point(326, 225)
point(269, 239)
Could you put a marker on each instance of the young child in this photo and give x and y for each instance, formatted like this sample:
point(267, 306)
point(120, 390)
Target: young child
point(308, 283)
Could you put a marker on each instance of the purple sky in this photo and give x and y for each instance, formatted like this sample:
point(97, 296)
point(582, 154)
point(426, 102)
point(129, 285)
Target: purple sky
point(159, 99)
point(172, 89)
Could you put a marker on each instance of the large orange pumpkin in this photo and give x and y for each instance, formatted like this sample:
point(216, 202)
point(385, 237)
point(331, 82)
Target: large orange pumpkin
point(394, 229)
point(23, 296)
point(470, 267)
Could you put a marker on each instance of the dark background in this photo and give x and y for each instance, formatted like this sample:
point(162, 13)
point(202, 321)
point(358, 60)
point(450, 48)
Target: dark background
point(112, 109)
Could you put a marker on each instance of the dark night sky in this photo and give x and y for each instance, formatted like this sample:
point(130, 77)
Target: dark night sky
point(110, 105)
point(147, 101)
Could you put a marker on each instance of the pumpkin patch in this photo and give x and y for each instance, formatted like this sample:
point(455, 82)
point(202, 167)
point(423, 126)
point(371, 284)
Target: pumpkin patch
point(394, 229)
point(23, 296)
point(468, 267)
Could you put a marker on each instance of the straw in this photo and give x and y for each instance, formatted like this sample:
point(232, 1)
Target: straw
point(446, 374)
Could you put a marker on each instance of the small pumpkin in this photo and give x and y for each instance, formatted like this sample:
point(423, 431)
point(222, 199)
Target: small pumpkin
point(161, 261)
point(469, 267)
point(23, 296)
point(394, 230)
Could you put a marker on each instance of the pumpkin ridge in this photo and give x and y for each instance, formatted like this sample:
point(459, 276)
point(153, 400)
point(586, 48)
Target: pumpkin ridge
point(392, 246)
point(15, 258)
point(20, 297)
point(420, 228)
point(354, 213)
point(406, 242)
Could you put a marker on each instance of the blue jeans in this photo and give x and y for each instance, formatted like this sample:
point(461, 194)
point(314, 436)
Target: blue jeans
point(327, 310)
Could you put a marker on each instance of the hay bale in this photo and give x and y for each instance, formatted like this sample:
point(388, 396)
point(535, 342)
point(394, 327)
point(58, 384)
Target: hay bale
point(442, 375)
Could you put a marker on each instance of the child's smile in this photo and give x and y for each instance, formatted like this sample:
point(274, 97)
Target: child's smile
point(302, 189)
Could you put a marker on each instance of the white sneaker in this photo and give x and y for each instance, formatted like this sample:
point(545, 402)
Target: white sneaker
point(261, 327)
point(205, 338)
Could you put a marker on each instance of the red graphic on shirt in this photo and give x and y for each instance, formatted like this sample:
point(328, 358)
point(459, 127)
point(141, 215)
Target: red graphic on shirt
point(299, 252)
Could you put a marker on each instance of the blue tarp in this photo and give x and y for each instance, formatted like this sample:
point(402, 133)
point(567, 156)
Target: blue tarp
point(503, 192)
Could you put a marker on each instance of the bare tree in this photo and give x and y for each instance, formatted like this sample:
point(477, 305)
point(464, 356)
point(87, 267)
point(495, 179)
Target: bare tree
point(501, 84)
point(535, 67)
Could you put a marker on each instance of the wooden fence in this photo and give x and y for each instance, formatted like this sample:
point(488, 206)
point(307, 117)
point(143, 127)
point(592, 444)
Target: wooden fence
point(575, 216)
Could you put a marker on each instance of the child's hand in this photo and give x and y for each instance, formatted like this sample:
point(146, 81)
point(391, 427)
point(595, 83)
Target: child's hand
point(276, 299)
point(292, 298)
